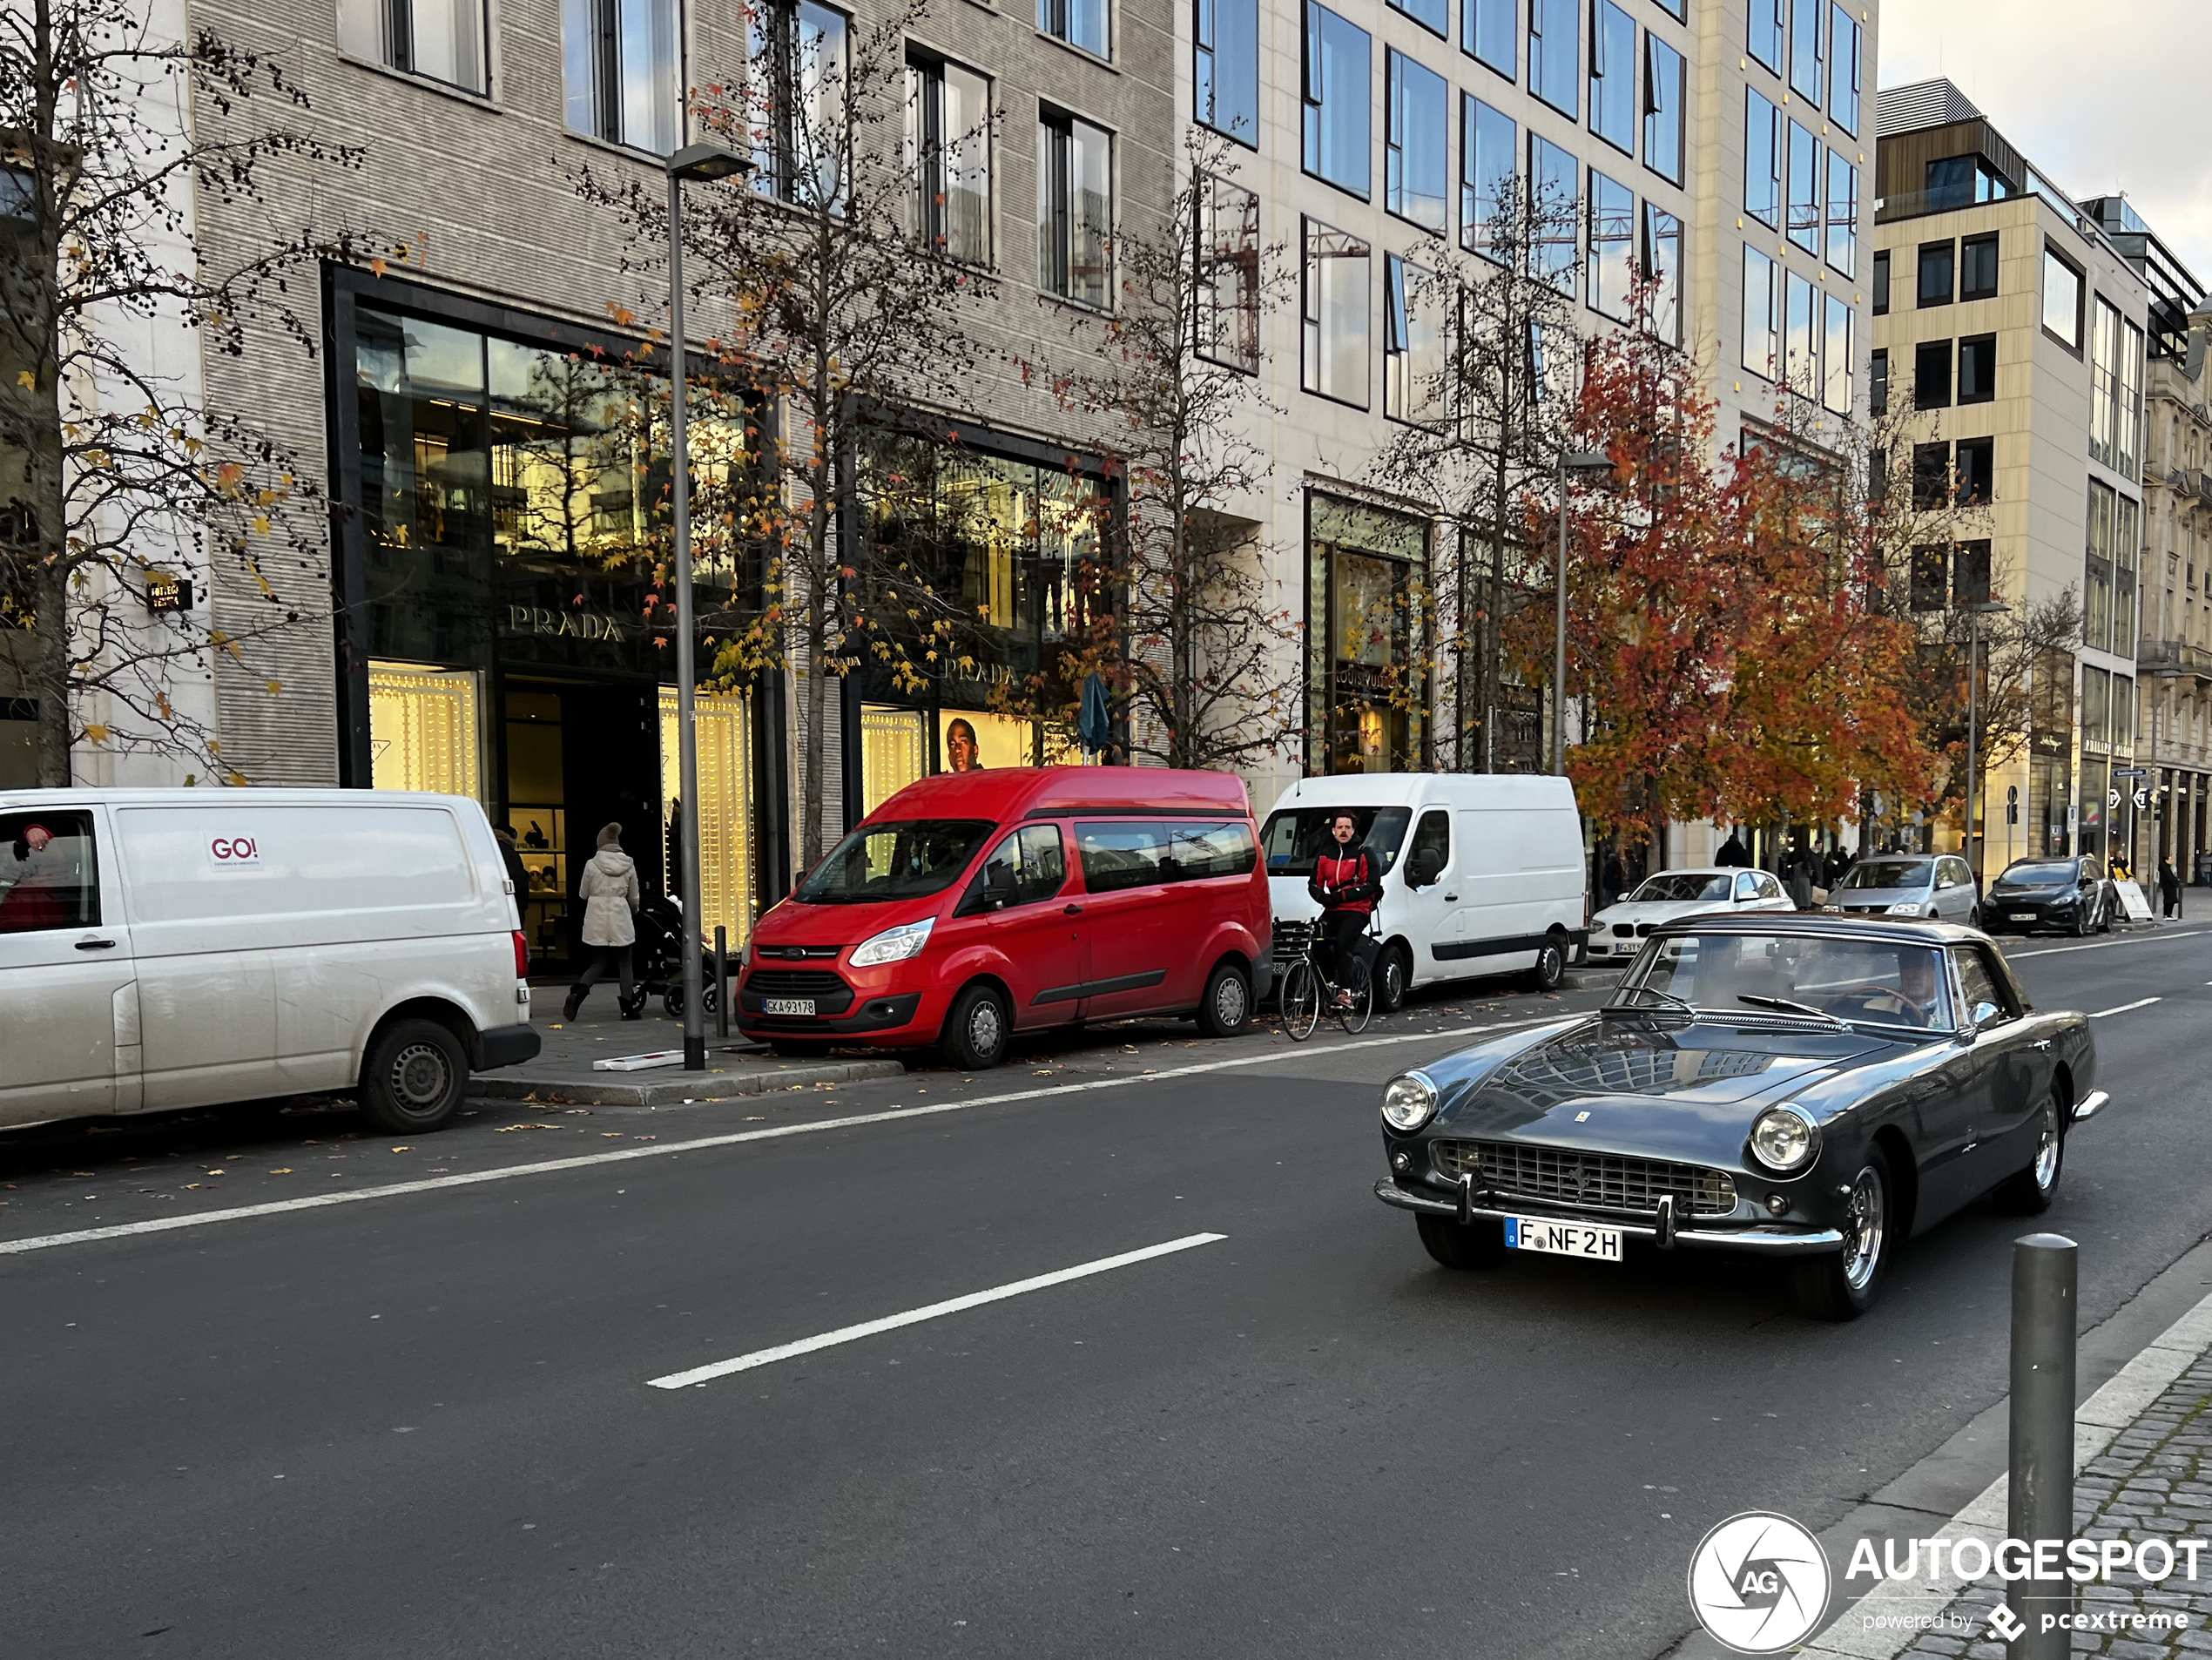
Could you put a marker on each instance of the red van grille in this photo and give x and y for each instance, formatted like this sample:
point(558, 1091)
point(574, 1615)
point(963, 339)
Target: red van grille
point(831, 994)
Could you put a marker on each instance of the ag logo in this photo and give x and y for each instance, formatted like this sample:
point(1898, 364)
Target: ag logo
point(1759, 1583)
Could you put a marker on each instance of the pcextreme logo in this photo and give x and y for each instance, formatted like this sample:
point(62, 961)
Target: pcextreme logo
point(1759, 1583)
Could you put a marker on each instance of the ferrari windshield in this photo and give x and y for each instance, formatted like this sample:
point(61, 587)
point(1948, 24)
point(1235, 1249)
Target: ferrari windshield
point(902, 859)
point(1890, 873)
point(1865, 982)
point(1679, 884)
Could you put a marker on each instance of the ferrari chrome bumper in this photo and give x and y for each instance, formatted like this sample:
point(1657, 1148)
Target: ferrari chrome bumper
point(1764, 1239)
point(2091, 1104)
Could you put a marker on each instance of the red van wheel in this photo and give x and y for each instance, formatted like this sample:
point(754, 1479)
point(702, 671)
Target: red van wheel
point(976, 1031)
point(1227, 1007)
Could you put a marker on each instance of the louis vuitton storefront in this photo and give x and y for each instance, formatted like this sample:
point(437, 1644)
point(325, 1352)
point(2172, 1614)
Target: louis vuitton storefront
point(508, 631)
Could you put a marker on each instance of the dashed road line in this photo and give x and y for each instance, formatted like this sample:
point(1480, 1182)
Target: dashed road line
point(2139, 1002)
point(2101, 945)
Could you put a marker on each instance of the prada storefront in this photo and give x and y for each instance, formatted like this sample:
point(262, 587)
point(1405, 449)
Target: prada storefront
point(504, 636)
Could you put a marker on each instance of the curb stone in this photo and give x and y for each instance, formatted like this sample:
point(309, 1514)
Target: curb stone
point(617, 1091)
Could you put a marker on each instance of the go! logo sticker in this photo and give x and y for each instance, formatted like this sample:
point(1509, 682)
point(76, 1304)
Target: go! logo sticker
point(1759, 1583)
point(233, 853)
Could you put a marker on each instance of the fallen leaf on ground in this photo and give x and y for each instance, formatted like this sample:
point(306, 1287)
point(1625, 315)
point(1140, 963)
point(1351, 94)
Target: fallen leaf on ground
point(281, 1170)
point(403, 1150)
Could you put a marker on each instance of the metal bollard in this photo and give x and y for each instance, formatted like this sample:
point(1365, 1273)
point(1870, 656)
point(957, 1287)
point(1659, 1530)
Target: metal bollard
point(721, 981)
point(2041, 1496)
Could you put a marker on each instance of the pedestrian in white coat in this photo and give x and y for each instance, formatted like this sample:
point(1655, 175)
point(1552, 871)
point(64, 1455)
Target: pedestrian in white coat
point(609, 891)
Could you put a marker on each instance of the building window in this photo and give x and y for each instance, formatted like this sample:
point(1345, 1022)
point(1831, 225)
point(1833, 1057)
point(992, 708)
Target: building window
point(2104, 382)
point(1662, 274)
point(1613, 75)
point(1490, 33)
point(1414, 388)
point(1761, 160)
point(1935, 279)
point(1762, 342)
point(2096, 584)
point(1336, 283)
point(1843, 70)
point(1338, 95)
point(1842, 215)
point(2127, 540)
point(1085, 23)
point(1555, 54)
point(1366, 650)
point(1801, 345)
point(1804, 189)
point(948, 147)
point(1225, 67)
point(1075, 209)
point(1970, 573)
point(1489, 164)
point(2128, 431)
point(798, 53)
point(1679, 10)
point(1978, 266)
point(1977, 368)
point(1663, 109)
point(1417, 152)
point(1805, 77)
point(1932, 374)
point(1766, 32)
point(440, 40)
point(1882, 283)
point(1931, 574)
point(1930, 476)
point(618, 68)
point(1229, 274)
point(1974, 471)
point(2061, 299)
point(1878, 382)
point(1612, 264)
point(1555, 211)
point(1838, 354)
point(1433, 14)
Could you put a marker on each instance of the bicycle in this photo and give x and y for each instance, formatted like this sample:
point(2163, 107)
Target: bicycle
point(1307, 991)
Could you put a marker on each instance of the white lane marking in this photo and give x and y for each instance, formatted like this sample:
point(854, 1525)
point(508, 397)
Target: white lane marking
point(700, 1374)
point(585, 1161)
point(2101, 945)
point(2139, 1002)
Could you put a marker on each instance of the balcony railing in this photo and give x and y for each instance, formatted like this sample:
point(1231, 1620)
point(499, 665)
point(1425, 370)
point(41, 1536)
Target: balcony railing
point(2174, 656)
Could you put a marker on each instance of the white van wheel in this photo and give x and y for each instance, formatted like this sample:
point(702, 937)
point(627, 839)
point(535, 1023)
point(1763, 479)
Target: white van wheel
point(414, 1077)
point(1392, 975)
point(1551, 964)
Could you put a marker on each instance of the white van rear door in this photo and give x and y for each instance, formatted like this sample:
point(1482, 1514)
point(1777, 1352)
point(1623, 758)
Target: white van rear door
point(68, 998)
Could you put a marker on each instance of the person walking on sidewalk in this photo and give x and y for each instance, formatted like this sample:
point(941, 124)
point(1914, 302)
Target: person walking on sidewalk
point(610, 894)
point(2169, 888)
point(1344, 885)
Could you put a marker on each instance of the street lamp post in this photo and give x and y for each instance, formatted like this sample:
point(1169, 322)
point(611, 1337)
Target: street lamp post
point(1586, 461)
point(700, 163)
point(1974, 614)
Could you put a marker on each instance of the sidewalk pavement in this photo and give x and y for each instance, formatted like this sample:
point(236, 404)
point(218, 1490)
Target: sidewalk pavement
point(563, 1073)
point(2143, 1470)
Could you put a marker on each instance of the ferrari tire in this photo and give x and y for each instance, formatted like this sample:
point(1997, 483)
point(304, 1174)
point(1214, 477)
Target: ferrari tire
point(2029, 1191)
point(1844, 1284)
point(1473, 1245)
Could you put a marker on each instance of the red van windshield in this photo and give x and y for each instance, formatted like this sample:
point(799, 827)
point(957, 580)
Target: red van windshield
point(899, 859)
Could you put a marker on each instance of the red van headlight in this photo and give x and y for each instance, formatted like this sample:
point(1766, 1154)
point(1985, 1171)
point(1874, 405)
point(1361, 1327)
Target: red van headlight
point(893, 945)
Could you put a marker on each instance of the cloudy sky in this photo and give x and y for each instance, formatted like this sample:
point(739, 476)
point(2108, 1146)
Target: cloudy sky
point(2102, 96)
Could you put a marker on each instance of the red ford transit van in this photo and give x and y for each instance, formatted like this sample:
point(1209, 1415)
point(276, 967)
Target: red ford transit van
point(971, 906)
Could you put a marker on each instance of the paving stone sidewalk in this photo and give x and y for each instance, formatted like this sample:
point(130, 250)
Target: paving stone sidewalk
point(2154, 1481)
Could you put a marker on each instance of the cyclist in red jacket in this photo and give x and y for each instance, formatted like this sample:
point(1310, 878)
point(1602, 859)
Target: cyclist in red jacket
point(1346, 886)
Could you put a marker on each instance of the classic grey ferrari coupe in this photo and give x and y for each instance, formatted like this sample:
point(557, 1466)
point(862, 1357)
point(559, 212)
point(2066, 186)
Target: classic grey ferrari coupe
point(1812, 1086)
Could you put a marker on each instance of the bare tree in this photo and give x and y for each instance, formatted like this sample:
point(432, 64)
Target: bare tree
point(120, 487)
point(842, 270)
point(1179, 622)
point(1487, 410)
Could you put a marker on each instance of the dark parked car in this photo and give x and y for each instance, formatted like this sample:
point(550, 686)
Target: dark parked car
point(1811, 1087)
point(2071, 893)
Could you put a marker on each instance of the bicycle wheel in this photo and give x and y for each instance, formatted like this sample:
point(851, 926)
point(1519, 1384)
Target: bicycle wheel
point(1301, 1000)
point(1360, 986)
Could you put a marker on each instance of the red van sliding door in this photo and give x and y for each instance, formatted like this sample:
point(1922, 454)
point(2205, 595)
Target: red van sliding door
point(1140, 952)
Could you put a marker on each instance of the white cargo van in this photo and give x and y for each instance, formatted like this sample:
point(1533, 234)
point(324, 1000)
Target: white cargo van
point(1482, 873)
point(167, 948)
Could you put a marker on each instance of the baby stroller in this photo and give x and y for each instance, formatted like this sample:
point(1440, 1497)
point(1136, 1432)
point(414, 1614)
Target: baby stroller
point(660, 957)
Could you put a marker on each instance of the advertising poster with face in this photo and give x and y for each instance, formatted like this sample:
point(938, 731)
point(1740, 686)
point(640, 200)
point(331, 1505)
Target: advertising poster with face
point(968, 741)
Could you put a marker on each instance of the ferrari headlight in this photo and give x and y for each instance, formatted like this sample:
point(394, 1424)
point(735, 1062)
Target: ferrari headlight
point(1910, 907)
point(1784, 1139)
point(1409, 1102)
point(893, 945)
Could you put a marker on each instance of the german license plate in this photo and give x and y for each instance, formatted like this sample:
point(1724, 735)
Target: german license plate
point(786, 1005)
point(2021, 916)
point(1562, 1238)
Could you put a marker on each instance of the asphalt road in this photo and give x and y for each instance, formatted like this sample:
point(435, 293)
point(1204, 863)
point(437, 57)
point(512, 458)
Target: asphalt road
point(425, 1423)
